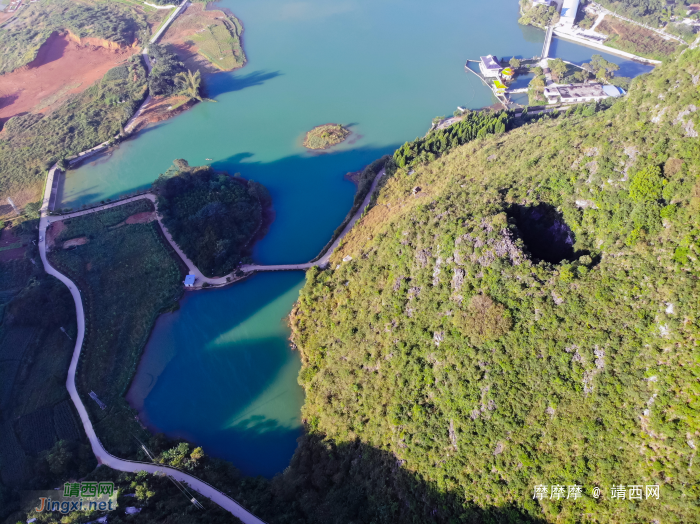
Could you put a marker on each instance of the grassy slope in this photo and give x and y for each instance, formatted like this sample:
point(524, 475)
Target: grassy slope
point(221, 43)
point(127, 276)
point(560, 398)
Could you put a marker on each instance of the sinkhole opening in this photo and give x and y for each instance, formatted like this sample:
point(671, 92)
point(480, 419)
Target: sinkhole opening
point(545, 232)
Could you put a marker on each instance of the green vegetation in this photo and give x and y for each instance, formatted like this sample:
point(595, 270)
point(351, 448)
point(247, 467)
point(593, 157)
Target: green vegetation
point(166, 67)
point(213, 217)
point(106, 20)
point(31, 143)
point(325, 136)
point(529, 317)
point(539, 16)
point(220, 43)
point(191, 85)
point(634, 39)
point(37, 420)
point(476, 124)
point(651, 12)
point(127, 277)
point(170, 77)
point(685, 31)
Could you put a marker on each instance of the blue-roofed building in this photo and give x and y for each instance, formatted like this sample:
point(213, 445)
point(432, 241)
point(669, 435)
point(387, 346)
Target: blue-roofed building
point(189, 280)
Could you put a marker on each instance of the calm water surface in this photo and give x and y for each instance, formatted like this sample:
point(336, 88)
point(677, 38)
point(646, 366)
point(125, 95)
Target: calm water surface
point(219, 371)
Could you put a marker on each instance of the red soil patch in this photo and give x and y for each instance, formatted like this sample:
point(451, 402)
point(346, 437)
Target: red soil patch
point(52, 232)
point(8, 239)
point(158, 109)
point(141, 218)
point(61, 68)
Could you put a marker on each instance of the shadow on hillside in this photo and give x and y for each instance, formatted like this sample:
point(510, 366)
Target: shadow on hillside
point(357, 483)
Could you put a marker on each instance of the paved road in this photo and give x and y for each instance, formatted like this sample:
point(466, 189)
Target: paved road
point(172, 17)
point(103, 457)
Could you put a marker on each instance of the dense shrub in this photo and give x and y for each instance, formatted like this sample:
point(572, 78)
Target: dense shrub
point(166, 66)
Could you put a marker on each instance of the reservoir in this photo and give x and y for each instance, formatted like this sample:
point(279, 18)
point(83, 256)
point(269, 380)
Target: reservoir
point(219, 371)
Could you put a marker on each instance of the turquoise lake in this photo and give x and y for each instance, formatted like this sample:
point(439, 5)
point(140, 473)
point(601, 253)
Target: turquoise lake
point(219, 371)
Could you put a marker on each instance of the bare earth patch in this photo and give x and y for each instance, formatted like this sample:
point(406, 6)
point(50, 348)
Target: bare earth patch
point(80, 241)
point(52, 232)
point(141, 218)
point(62, 68)
point(634, 39)
point(161, 108)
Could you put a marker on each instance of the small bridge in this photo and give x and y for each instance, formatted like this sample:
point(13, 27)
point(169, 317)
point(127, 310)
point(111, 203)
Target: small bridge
point(547, 41)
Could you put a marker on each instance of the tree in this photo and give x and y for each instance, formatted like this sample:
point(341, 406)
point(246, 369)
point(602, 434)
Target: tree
point(484, 320)
point(647, 185)
point(538, 81)
point(558, 67)
point(191, 85)
point(514, 63)
point(603, 69)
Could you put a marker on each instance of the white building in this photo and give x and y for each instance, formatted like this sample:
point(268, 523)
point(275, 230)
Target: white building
point(568, 13)
point(189, 280)
point(489, 66)
point(542, 2)
point(580, 93)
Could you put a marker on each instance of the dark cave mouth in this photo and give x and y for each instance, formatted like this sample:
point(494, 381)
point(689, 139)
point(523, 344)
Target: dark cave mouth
point(544, 231)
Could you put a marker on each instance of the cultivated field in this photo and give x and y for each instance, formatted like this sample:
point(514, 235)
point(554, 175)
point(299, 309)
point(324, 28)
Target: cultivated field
point(127, 277)
point(35, 411)
point(207, 40)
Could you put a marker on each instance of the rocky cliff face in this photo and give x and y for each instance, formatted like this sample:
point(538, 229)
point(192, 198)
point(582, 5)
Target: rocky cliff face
point(101, 42)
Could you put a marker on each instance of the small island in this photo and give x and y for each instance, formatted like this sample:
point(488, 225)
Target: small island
point(325, 136)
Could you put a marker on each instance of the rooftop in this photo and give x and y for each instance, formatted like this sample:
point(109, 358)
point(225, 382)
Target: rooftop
point(569, 9)
point(577, 91)
point(189, 280)
point(490, 62)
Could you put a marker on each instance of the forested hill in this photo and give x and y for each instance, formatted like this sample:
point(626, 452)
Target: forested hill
point(522, 310)
point(213, 217)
